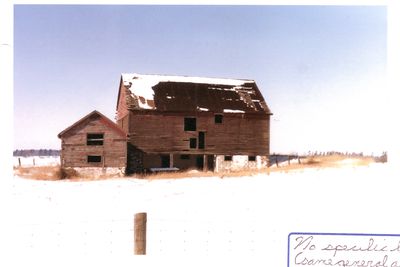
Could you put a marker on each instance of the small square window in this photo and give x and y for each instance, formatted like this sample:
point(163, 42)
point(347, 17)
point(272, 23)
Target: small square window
point(192, 142)
point(93, 159)
point(218, 118)
point(185, 156)
point(94, 139)
point(190, 124)
point(252, 158)
point(228, 158)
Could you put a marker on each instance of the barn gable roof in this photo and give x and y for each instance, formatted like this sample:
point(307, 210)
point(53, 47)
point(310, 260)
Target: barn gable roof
point(182, 93)
point(94, 114)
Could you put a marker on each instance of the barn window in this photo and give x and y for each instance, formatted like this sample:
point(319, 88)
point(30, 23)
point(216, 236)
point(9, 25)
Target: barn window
point(202, 140)
point(190, 124)
point(94, 139)
point(252, 158)
point(218, 118)
point(165, 161)
point(228, 158)
point(185, 156)
point(192, 142)
point(93, 159)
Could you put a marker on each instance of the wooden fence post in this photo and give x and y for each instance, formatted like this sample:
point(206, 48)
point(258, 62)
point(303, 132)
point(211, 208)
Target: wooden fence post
point(140, 233)
point(19, 162)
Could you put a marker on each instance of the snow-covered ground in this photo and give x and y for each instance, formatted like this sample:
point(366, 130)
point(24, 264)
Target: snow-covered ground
point(192, 221)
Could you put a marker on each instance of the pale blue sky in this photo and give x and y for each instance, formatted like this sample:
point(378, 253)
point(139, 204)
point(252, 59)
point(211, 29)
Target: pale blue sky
point(321, 69)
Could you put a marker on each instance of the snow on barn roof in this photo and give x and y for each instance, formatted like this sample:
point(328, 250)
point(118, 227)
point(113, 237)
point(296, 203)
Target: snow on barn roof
point(183, 93)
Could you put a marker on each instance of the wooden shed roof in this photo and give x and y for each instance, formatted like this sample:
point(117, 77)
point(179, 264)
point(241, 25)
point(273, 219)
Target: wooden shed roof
point(181, 93)
point(93, 115)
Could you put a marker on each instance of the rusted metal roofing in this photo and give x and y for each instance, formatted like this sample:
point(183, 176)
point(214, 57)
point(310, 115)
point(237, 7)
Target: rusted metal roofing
point(181, 93)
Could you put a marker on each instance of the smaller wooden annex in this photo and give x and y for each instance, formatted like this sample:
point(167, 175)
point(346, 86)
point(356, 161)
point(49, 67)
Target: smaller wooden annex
point(93, 141)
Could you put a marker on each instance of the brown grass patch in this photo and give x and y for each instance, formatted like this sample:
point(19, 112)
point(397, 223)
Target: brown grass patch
point(46, 173)
point(338, 161)
point(331, 161)
point(66, 173)
point(54, 173)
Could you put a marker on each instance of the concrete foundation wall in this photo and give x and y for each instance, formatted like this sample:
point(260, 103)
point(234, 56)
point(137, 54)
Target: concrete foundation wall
point(240, 162)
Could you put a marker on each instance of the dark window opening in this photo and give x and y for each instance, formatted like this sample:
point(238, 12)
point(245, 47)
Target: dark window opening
point(165, 161)
point(202, 140)
point(185, 156)
point(210, 162)
point(252, 158)
point(190, 124)
point(94, 139)
point(192, 142)
point(218, 118)
point(200, 162)
point(93, 159)
point(228, 158)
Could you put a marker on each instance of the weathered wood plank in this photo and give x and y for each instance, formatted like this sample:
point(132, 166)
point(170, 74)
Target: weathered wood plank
point(162, 133)
point(75, 150)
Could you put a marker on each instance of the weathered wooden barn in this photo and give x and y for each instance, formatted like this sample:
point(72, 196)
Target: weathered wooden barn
point(190, 122)
point(93, 141)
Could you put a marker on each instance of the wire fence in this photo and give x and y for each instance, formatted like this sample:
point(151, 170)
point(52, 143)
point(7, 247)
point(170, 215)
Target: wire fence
point(35, 161)
point(165, 236)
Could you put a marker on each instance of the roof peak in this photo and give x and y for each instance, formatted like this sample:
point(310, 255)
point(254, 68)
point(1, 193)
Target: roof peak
point(186, 79)
point(105, 120)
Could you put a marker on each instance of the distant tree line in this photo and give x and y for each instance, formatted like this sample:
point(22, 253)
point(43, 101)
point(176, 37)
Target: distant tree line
point(36, 152)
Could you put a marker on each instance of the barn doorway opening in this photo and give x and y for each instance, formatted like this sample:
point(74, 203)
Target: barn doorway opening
point(210, 162)
point(165, 161)
point(200, 162)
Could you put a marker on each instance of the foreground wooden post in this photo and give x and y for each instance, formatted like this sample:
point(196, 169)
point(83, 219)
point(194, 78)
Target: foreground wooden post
point(140, 233)
point(19, 162)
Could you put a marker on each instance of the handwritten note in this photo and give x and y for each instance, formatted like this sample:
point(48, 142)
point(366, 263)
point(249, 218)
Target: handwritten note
point(355, 250)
